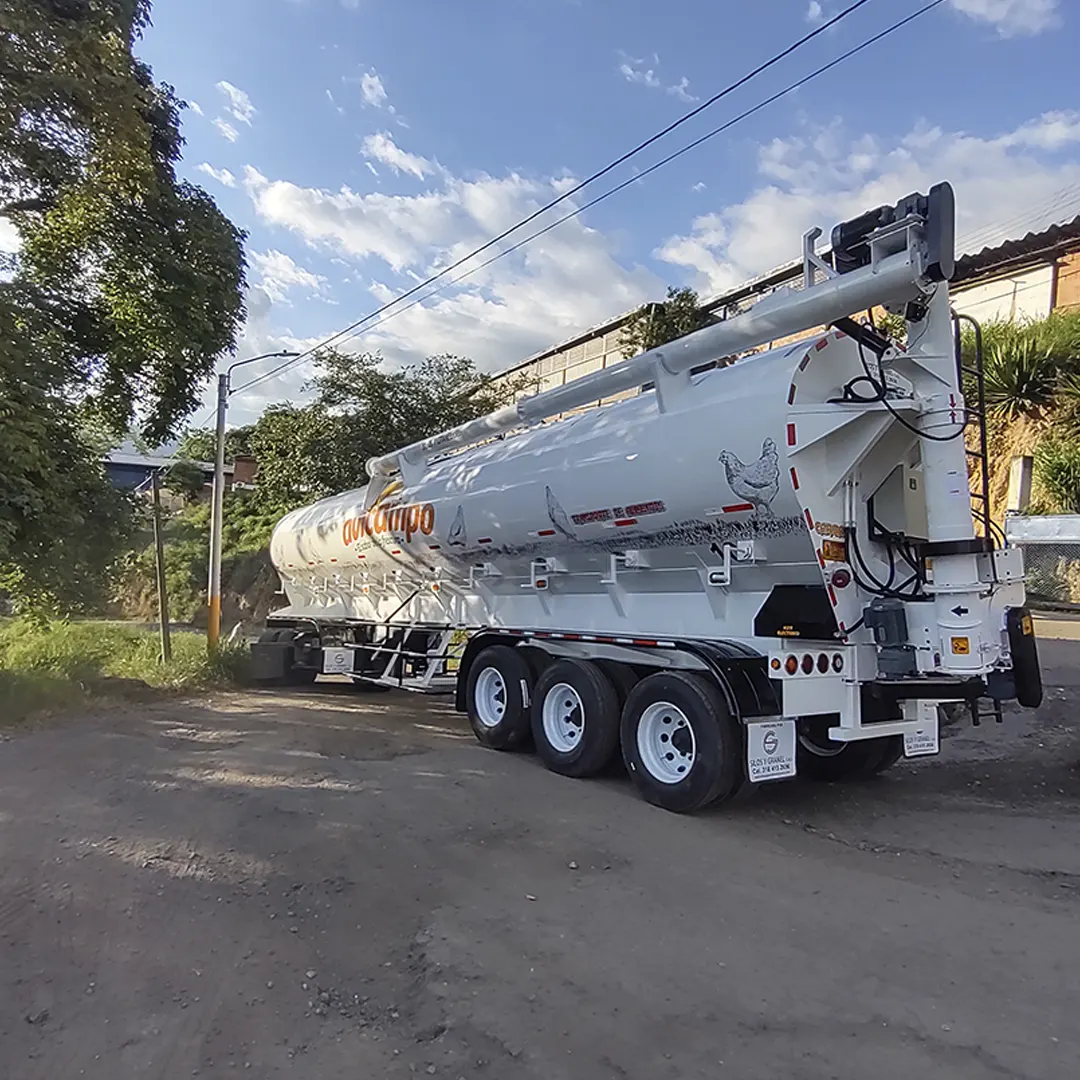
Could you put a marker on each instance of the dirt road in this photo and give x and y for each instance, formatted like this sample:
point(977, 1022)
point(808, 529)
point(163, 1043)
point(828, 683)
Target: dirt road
point(330, 884)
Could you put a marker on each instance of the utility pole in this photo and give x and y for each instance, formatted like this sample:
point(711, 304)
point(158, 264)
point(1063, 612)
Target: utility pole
point(213, 623)
point(159, 562)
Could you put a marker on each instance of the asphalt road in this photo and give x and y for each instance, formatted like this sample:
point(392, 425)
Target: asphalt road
point(333, 884)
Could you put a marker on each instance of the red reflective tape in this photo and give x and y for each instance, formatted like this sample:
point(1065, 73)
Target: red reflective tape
point(832, 596)
point(396, 551)
point(626, 521)
point(791, 394)
point(486, 540)
point(546, 532)
point(803, 362)
point(572, 637)
point(821, 558)
point(434, 547)
point(643, 641)
point(794, 478)
point(809, 520)
point(361, 556)
point(840, 334)
point(791, 434)
point(821, 344)
point(737, 508)
point(333, 560)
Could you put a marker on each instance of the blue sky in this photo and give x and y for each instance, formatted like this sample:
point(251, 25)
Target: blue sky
point(364, 143)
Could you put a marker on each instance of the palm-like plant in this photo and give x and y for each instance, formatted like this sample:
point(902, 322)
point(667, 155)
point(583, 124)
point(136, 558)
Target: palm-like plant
point(1021, 375)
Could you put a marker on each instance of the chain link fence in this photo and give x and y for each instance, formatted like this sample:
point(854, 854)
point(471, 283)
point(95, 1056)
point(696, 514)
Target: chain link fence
point(1051, 546)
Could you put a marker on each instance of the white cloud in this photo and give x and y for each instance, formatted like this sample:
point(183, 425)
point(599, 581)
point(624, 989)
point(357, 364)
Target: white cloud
point(699, 187)
point(237, 103)
point(565, 280)
point(222, 176)
point(827, 174)
point(381, 147)
point(372, 89)
point(1012, 18)
point(814, 13)
point(637, 71)
point(195, 107)
point(279, 274)
point(226, 129)
point(333, 101)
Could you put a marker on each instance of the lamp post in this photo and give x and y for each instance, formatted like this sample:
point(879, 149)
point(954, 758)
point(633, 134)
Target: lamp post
point(213, 624)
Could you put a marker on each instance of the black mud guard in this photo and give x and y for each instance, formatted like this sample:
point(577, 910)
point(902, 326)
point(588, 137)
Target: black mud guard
point(1025, 657)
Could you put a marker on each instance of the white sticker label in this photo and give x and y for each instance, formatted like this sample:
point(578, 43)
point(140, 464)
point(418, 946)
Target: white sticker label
point(337, 661)
point(922, 743)
point(770, 750)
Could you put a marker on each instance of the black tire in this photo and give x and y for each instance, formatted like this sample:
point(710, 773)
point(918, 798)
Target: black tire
point(591, 737)
point(894, 751)
point(295, 676)
point(511, 729)
point(820, 758)
point(715, 772)
point(622, 676)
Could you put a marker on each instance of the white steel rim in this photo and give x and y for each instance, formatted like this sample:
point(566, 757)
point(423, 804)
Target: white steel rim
point(563, 717)
point(666, 743)
point(490, 697)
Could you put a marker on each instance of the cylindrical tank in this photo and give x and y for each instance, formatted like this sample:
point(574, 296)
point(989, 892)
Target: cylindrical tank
point(662, 481)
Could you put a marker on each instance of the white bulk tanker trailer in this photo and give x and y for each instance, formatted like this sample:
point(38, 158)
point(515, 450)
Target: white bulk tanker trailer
point(743, 571)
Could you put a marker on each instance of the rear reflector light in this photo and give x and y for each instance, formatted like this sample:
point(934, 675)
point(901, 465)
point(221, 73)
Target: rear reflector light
point(807, 664)
point(838, 662)
point(841, 578)
point(791, 665)
point(823, 663)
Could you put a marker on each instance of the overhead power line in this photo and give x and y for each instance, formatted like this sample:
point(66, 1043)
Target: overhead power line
point(790, 88)
point(731, 88)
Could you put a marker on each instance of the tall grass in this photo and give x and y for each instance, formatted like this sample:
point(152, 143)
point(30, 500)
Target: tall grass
point(53, 665)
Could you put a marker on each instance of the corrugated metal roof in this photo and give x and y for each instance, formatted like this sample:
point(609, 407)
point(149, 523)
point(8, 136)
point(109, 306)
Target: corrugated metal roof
point(1033, 245)
point(148, 462)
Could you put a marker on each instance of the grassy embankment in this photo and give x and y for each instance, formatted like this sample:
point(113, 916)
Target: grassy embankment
point(63, 664)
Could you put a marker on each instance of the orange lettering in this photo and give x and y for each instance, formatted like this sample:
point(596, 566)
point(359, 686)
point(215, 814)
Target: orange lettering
point(427, 519)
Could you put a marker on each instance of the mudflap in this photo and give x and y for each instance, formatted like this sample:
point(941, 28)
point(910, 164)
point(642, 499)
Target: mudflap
point(1025, 657)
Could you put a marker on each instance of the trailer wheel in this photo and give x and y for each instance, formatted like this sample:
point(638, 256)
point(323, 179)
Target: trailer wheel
point(623, 677)
point(821, 758)
point(497, 694)
point(682, 747)
point(575, 718)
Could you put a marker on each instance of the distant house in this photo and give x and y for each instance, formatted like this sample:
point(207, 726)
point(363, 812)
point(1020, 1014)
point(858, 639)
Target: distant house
point(129, 471)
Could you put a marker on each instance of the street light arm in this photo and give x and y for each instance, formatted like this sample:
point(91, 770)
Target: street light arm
point(252, 359)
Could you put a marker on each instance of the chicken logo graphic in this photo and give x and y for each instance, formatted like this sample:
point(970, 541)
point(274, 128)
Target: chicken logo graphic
point(757, 483)
point(558, 515)
point(457, 530)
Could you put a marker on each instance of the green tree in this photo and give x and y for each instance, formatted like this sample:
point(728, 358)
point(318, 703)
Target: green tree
point(200, 444)
point(61, 522)
point(653, 325)
point(362, 410)
point(185, 479)
point(127, 284)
